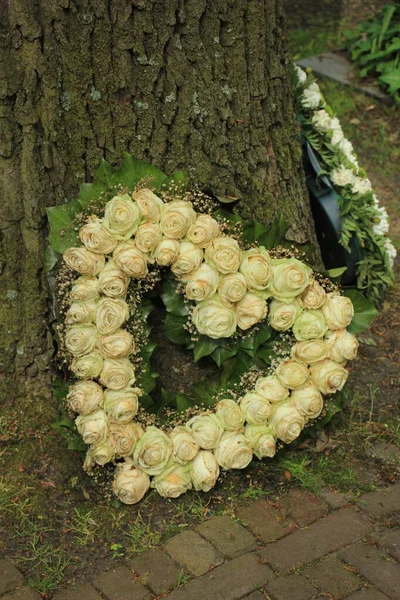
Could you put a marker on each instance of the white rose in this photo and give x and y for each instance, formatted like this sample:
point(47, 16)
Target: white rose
point(262, 439)
point(176, 218)
point(346, 147)
point(232, 287)
point(80, 339)
point(97, 238)
point(153, 451)
point(148, 237)
point(111, 314)
point(287, 422)
point(202, 283)
point(361, 186)
point(184, 446)
point(256, 267)
point(206, 429)
point(124, 437)
point(81, 312)
point(381, 222)
point(230, 414)
point(122, 217)
point(250, 310)
point(213, 319)
point(130, 259)
point(271, 388)
point(341, 176)
point(117, 373)
point(121, 406)
point(116, 345)
point(113, 281)
point(256, 408)
point(189, 260)
point(337, 132)
point(203, 230)
point(85, 397)
point(313, 296)
point(341, 345)
point(292, 374)
point(322, 121)
point(311, 97)
point(338, 311)
point(290, 279)
point(234, 451)
point(93, 428)
point(166, 252)
point(204, 471)
point(85, 288)
point(308, 401)
point(83, 261)
point(130, 484)
point(310, 351)
point(282, 316)
point(328, 376)
point(102, 453)
point(310, 325)
point(88, 366)
point(223, 253)
point(149, 203)
point(173, 481)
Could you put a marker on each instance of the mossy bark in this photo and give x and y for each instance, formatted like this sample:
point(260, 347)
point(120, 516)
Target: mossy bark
point(201, 85)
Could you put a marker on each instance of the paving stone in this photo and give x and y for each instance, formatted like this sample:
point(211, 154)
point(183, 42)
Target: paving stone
point(381, 502)
point(367, 594)
point(255, 596)
point(23, 593)
point(231, 581)
point(290, 587)
point(10, 577)
point(389, 539)
point(193, 552)
point(333, 577)
point(156, 569)
point(367, 559)
point(265, 521)
point(334, 500)
point(364, 472)
point(119, 584)
point(78, 592)
point(386, 452)
point(303, 507)
point(230, 538)
point(326, 535)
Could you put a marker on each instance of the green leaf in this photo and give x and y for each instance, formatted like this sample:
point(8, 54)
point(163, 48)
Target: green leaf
point(50, 259)
point(226, 199)
point(204, 391)
point(178, 181)
point(220, 355)
point(183, 402)
point(364, 311)
point(174, 329)
point(147, 380)
point(133, 170)
point(253, 231)
point(204, 347)
point(263, 334)
point(101, 183)
point(174, 302)
point(221, 213)
point(334, 273)
point(63, 233)
point(392, 79)
point(334, 405)
point(274, 234)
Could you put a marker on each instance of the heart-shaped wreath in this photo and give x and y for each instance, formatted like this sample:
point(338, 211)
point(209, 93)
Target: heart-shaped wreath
point(277, 330)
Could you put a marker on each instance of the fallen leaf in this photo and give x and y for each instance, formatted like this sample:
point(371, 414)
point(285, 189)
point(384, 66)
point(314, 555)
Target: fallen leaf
point(370, 107)
point(355, 121)
point(287, 474)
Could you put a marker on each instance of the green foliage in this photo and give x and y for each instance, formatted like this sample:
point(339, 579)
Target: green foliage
point(375, 47)
point(364, 311)
point(64, 425)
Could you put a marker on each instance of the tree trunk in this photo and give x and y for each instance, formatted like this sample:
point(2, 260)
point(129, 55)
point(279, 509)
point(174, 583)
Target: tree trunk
point(201, 85)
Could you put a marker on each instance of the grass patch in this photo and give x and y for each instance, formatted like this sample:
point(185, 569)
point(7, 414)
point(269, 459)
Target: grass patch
point(141, 536)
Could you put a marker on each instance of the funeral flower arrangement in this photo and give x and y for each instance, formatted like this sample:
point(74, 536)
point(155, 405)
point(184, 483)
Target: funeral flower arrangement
point(361, 213)
point(279, 334)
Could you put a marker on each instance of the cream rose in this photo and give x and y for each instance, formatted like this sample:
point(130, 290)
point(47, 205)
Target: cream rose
point(130, 259)
point(113, 281)
point(232, 287)
point(117, 373)
point(85, 288)
point(338, 311)
point(184, 446)
point(256, 267)
point(189, 260)
point(230, 414)
point(121, 406)
point(313, 296)
point(122, 217)
point(328, 376)
point(341, 345)
point(116, 345)
point(287, 422)
point(309, 325)
point(290, 279)
point(262, 439)
point(271, 388)
point(250, 310)
point(130, 484)
point(153, 451)
point(203, 230)
point(223, 253)
point(176, 218)
point(97, 238)
point(234, 451)
point(308, 401)
point(85, 397)
point(309, 351)
point(204, 471)
point(88, 366)
point(214, 319)
point(81, 312)
point(282, 316)
point(202, 283)
point(124, 437)
point(166, 252)
point(93, 428)
point(83, 261)
point(102, 453)
point(173, 481)
point(80, 339)
point(292, 374)
point(256, 408)
point(149, 203)
point(111, 314)
point(148, 237)
point(206, 429)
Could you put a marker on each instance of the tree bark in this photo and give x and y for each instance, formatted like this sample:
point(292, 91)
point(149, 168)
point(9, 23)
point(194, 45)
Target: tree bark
point(201, 85)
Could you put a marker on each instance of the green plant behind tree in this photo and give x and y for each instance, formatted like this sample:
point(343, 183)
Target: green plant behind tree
point(375, 47)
